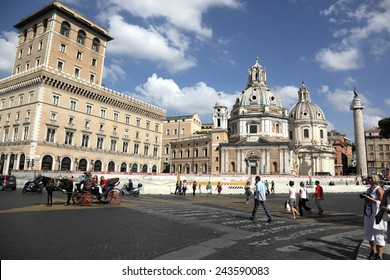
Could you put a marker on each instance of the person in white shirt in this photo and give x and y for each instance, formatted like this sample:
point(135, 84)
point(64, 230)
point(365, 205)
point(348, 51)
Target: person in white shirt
point(260, 198)
point(303, 198)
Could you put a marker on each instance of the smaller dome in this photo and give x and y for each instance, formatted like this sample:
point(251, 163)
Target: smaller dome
point(220, 103)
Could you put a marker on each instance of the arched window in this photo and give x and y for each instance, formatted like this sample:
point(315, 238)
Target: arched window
point(83, 165)
point(97, 165)
point(11, 163)
point(111, 166)
point(187, 168)
point(65, 164)
point(233, 165)
point(144, 168)
point(179, 168)
point(22, 161)
point(95, 44)
point(81, 35)
point(134, 168)
point(275, 167)
point(123, 167)
point(65, 28)
point(196, 168)
point(173, 168)
point(154, 169)
point(47, 163)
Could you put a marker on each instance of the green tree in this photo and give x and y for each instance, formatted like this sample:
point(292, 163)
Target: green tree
point(384, 125)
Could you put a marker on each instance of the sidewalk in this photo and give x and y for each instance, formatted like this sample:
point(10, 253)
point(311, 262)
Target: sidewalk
point(364, 251)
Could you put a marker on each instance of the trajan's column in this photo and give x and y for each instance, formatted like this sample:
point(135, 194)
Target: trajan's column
point(361, 158)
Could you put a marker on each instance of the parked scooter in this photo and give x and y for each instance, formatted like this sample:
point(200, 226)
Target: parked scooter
point(31, 187)
point(130, 190)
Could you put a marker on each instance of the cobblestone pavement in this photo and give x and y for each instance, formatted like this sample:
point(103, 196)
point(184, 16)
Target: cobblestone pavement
point(176, 227)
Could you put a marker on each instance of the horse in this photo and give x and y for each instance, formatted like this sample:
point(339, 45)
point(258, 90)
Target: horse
point(55, 184)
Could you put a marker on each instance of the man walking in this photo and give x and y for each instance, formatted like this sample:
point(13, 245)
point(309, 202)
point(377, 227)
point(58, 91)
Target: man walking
point(319, 195)
point(260, 198)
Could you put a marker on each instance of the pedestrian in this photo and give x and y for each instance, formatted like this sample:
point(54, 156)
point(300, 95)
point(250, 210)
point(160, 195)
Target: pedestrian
point(248, 191)
point(219, 189)
point(184, 187)
point(193, 188)
point(177, 191)
point(319, 195)
point(292, 195)
point(199, 187)
point(260, 198)
point(272, 186)
point(385, 205)
point(303, 198)
point(209, 189)
point(375, 237)
point(266, 187)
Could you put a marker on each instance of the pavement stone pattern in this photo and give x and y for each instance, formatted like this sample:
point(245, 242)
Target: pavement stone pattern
point(172, 227)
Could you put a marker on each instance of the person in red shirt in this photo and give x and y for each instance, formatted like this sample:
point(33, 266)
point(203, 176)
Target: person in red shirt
point(319, 195)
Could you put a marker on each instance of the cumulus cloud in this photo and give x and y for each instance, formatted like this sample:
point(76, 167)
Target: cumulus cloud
point(339, 60)
point(341, 99)
point(165, 93)
point(366, 25)
point(114, 72)
point(149, 44)
point(8, 42)
point(167, 33)
point(288, 95)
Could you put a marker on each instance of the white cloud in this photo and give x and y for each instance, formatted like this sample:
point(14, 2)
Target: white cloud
point(367, 24)
point(113, 72)
point(342, 60)
point(341, 99)
point(165, 93)
point(184, 15)
point(288, 95)
point(148, 44)
point(8, 42)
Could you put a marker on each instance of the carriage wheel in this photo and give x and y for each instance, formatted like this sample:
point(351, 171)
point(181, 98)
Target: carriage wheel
point(76, 198)
point(115, 196)
point(86, 199)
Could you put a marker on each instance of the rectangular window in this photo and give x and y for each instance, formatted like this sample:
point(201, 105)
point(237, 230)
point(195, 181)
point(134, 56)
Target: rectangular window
point(102, 113)
point(291, 134)
point(50, 135)
point(146, 150)
point(20, 99)
point(113, 146)
point(94, 62)
point(25, 133)
point(116, 116)
point(62, 48)
point(138, 123)
point(155, 151)
point(92, 78)
point(37, 62)
point(168, 132)
point(76, 72)
point(321, 134)
point(68, 138)
point(27, 65)
point(136, 148)
point(127, 119)
point(40, 45)
point(16, 134)
point(73, 104)
point(84, 141)
point(55, 100)
point(305, 133)
point(156, 128)
point(99, 144)
point(30, 49)
point(79, 55)
point(253, 129)
point(88, 109)
point(60, 66)
point(147, 125)
point(20, 54)
point(125, 147)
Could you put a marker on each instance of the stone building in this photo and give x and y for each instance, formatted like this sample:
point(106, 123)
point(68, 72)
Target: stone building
point(54, 112)
point(344, 154)
point(312, 153)
point(378, 152)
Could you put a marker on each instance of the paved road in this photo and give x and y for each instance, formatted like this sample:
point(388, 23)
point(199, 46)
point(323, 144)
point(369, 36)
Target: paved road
point(176, 227)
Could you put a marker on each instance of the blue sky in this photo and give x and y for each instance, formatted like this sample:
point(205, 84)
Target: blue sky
point(179, 54)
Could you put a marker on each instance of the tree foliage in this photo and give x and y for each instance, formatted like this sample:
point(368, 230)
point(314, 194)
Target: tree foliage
point(384, 125)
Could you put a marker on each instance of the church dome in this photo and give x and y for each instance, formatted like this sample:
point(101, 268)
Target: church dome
point(257, 93)
point(305, 109)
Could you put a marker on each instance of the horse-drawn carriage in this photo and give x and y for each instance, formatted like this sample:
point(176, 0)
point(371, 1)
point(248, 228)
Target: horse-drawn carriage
point(82, 195)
